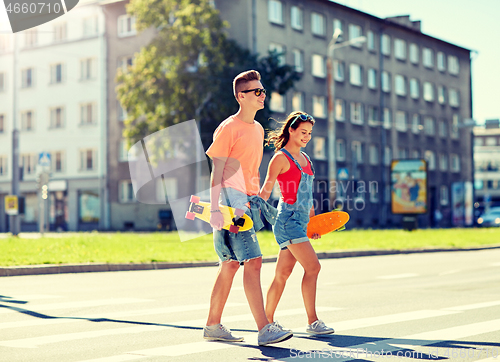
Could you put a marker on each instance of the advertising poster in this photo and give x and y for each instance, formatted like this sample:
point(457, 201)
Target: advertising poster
point(457, 203)
point(409, 187)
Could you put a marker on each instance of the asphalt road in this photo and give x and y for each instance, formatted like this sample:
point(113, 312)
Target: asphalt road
point(414, 307)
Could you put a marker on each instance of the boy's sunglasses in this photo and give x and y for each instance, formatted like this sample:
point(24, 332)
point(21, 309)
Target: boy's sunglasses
point(258, 91)
point(303, 118)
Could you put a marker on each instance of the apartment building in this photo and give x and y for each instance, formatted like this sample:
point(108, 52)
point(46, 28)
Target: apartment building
point(61, 110)
point(400, 94)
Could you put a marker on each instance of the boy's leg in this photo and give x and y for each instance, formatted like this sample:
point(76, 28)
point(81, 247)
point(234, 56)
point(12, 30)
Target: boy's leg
point(284, 267)
point(253, 291)
point(221, 289)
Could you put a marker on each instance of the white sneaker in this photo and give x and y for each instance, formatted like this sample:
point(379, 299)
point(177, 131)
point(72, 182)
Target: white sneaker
point(221, 333)
point(278, 324)
point(319, 327)
point(271, 333)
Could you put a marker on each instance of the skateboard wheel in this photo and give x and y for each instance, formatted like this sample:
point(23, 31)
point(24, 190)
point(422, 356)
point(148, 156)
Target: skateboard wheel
point(234, 229)
point(195, 199)
point(239, 212)
point(190, 215)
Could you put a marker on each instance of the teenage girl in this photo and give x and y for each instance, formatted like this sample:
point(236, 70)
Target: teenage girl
point(295, 174)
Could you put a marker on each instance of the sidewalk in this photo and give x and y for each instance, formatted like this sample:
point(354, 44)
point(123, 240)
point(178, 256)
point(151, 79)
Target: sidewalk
point(90, 268)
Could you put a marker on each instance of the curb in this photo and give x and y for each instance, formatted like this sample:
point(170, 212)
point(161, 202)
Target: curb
point(92, 268)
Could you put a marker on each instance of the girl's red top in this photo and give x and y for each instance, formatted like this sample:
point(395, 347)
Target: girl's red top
point(289, 181)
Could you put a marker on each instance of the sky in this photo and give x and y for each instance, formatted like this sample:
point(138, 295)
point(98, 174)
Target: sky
point(472, 24)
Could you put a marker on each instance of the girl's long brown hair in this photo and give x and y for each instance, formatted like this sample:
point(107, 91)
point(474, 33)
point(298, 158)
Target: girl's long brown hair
point(279, 138)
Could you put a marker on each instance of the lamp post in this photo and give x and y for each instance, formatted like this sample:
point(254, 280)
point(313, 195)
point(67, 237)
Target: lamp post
point(14, 219)
point(332, 166)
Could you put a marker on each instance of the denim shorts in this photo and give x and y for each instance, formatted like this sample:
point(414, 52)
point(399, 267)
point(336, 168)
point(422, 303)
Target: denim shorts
point(240, 247)
point(291, 227)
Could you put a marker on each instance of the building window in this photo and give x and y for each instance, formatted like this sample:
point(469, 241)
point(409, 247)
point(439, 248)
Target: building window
point(90, 26)
point(402, 153)
point(490, 141)
point(415, 123)
point(27, 78)
point(357, 151)
point(372, 115)
point(415, 153)
point(57, 161)
point(60, 32)
point(319, 106)
point(387, 155)
point(2, 82)
point(88, 113)
point(400, 49)
point(385, 46)
point(442, 129)
point(400, 85)
point(126, 191)
point(455, 163)
point(339, 109)
point(89, 206)
point(443, 162)
point(57, 117)
point(56, 73)
point(428, 91)
point(27, 121)
point(30, 37)
point(87, 68)
point(429, 126)
point(318, 66)
point(3, 165)
point(318, 24)
point(454, 126)
point(340, 149)
point(28, 163)
point(298, 60)
point(121, 112)
point(338, 70)
point(440, 95)
point(279, 50)
point(355, 32)
point(88, 160)
point(355, 74)
point(297, 17)
point(453, 97)
point(374, 193)
point(428, 57)
point(278, 102)
point(414, 53)
point(275, 11)
point(171, 187)
point(371, 40)
point(373, 155)
point(319, 144)
point(356, 113)
point(441, 66)
point(401, 121)
point(443, 195)
point(387, 118)
point(453, 65)
point(414, 88)
point(298, 101)
point(125, 62)
point(372, 78)
point(386, 82)
point(430, 157)
point(126, 25)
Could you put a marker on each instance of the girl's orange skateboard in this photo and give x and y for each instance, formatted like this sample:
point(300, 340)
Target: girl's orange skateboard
point(326, 223)
point(234, 219)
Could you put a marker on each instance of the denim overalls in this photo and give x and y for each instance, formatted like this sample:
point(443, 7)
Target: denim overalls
point(291, 222)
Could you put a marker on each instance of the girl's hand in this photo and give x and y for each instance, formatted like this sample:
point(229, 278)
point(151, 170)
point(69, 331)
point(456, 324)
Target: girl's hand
point(315, 236)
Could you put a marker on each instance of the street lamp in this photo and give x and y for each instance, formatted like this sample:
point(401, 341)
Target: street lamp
point(332, 169)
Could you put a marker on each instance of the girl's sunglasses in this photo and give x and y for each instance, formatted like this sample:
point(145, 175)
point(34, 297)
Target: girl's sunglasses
point(258, 91)
point(303, 118)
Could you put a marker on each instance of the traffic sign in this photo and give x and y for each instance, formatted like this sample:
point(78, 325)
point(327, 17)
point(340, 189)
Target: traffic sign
point(343, 174)
point(44, 159)
point(11, 205)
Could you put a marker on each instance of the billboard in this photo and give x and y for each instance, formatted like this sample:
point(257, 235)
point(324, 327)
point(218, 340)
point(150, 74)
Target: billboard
point(409, 186)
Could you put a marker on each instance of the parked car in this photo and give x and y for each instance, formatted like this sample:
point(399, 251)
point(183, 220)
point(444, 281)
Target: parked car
point(490, 218)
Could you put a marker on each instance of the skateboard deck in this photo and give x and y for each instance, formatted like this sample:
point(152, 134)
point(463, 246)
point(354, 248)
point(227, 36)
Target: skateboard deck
point(234, 219)
point(325, 223)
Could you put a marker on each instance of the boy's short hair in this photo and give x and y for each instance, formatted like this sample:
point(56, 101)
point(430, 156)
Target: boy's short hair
point(241, 79)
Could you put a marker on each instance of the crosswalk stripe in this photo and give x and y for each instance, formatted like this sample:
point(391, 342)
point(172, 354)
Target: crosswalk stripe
point(475, 306)
point(70, 305)
point(398, 276)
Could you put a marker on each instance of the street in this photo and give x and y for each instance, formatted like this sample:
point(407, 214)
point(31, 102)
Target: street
point(424, 306)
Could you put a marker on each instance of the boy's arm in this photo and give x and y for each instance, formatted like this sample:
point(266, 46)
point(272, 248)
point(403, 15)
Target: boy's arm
point(275, 168)
point(216, 218)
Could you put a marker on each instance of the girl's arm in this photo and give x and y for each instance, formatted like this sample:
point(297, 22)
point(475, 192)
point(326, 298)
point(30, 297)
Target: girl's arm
point(276, 166)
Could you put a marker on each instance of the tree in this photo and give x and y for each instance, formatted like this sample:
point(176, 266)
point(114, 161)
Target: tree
point(186, 72)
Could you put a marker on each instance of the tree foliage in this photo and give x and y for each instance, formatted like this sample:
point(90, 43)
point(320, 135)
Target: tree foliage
point(186, 72)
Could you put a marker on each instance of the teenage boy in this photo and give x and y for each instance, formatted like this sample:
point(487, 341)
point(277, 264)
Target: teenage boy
point(236, 153)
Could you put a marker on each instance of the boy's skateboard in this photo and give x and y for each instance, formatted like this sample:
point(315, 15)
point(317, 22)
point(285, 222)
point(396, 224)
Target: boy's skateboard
point(234, 219)
point(325, 223)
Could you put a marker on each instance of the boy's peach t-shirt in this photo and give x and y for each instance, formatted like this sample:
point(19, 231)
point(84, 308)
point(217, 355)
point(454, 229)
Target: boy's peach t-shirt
point(240, 144)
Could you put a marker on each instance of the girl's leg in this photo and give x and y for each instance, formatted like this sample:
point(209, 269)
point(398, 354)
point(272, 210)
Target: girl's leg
point(306, 256)
point(284, 267)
